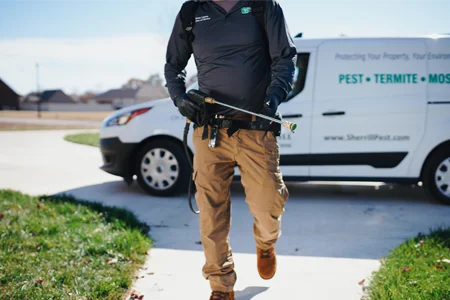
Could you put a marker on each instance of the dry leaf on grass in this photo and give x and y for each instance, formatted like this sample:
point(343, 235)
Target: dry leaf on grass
point(2, 216)
point(88, 260)
point(111, 261)
point(362, 282)
point(40, 205)
point(407, 269)
point(40, 280)
point(420, 244)
point(439, 267)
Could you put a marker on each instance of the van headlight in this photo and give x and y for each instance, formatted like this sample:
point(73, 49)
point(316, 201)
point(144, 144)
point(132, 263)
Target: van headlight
point(125, 118)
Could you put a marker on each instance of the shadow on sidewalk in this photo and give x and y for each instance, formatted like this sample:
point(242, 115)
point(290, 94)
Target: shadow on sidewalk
point(321, 220)
point(249, 292)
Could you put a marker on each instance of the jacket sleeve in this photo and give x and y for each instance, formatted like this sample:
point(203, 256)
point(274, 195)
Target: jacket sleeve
point(282, 50)
point(178, 54)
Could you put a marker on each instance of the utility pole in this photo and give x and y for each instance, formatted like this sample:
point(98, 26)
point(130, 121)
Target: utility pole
point(37, 91)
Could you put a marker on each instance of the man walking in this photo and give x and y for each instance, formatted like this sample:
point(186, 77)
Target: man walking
point(246, 58)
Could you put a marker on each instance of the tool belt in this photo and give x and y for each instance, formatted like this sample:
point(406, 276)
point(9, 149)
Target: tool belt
point(234, 123)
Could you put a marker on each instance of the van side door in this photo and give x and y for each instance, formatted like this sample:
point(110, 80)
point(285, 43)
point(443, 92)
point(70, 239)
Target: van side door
point(369, 108)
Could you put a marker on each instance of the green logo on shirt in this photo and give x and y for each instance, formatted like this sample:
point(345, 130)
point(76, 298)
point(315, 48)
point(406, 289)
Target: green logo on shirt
point(246, 10)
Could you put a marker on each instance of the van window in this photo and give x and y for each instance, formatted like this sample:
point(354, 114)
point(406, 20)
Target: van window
point(301, 70)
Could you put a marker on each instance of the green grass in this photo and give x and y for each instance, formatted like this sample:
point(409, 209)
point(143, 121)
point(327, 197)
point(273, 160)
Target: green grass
point(415, 270)
point(91, 139)
point(59, 248)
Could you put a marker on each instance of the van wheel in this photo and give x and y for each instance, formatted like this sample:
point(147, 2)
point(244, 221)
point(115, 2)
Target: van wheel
point(162, 168)
point(436, 176)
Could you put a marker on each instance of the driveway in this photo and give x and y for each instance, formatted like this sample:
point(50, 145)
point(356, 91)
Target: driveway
point(333, 235)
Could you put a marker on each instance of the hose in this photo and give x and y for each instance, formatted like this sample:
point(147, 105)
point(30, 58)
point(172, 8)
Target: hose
point(188, 154)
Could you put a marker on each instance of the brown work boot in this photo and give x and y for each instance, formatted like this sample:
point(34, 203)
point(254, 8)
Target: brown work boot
point(267, 263)
point(222, 296)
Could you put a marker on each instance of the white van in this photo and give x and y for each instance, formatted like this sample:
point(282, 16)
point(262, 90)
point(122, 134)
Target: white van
point(367, 109)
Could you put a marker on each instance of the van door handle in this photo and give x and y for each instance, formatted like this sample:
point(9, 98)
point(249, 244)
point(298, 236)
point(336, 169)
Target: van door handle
point(292, 116)
point(333, 113)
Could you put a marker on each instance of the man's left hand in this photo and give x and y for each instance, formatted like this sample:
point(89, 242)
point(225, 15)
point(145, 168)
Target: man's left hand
point(273, 99)
point(270, 106)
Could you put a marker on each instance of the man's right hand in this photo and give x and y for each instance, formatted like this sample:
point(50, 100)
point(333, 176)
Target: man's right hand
point(187, 108)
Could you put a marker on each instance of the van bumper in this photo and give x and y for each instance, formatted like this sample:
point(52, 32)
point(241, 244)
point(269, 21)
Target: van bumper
point(117, 157)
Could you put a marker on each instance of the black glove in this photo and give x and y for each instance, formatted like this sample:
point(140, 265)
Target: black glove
point(187, 108)
point(272, 102)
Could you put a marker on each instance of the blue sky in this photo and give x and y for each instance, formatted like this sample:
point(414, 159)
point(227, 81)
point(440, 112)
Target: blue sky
point(99, 44)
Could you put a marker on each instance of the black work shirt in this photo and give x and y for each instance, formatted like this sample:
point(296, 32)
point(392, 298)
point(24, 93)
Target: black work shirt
point(234, 63)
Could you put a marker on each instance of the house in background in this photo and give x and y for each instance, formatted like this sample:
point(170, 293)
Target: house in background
point(8, 98)
point(149, 92)
point(118, 98)
point(57, 100)
point(46, 97)
point(56, 96)
point(126, 96)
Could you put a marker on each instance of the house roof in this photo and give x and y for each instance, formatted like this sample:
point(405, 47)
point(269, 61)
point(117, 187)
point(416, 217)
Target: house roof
point(117, 94)
point(5, 85)
point(46, 95)
point(53, 96)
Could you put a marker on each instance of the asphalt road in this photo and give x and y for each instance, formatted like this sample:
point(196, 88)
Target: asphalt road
point(333, 235)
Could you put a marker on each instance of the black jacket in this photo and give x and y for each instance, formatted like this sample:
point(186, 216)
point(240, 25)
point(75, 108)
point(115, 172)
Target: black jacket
point(232, 56)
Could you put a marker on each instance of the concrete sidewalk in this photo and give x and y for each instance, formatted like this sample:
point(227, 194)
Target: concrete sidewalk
point(333, 236)
point(177, 272)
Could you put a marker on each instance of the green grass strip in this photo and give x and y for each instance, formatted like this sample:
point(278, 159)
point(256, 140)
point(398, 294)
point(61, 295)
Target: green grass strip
point(418, 269)
point(62, 248)
point(91, 139)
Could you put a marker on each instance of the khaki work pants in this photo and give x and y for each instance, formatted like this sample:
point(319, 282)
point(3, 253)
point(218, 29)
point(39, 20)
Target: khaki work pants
point(256, 153)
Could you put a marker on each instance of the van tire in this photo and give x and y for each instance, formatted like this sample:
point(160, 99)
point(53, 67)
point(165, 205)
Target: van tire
point(170, 148)
point(429, 175)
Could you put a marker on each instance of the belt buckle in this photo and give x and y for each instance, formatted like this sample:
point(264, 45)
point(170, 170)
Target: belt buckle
point(213, 137)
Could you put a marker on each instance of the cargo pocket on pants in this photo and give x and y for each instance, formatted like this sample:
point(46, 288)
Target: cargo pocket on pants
point(196, 196)
point(273, 167)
